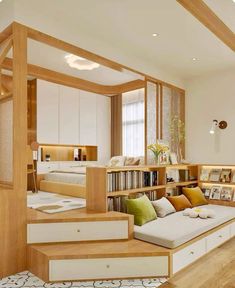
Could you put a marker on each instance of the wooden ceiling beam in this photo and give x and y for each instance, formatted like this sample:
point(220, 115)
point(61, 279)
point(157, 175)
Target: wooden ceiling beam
point(63, 79)
point(7, 32)
point(5, 48)
point(208, 18)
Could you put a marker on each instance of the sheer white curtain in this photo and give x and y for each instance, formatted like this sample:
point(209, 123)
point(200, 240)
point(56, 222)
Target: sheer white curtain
point(133, 123)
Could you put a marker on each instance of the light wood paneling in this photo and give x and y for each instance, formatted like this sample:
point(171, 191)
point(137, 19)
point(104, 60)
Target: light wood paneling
point(116, 125)
point(209, 19)
point(5, 33)
point(5, 48)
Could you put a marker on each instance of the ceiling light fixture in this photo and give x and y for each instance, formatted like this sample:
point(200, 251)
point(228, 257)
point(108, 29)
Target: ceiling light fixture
point(155, 34)
point(233, 1)
point(80, 63)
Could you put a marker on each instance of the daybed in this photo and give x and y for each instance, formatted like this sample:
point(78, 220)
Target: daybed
point(176, 229)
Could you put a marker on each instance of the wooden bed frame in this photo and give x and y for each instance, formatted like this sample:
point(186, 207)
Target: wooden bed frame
point(74, 190)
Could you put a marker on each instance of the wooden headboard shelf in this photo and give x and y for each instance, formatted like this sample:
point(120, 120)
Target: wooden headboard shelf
point(61, 152)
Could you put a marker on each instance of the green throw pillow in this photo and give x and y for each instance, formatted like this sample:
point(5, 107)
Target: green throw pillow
point(142, 209)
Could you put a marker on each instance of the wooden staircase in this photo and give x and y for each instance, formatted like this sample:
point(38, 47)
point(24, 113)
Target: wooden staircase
point(76, 245)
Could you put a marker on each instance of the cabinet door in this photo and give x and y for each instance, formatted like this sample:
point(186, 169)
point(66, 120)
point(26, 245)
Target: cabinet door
point(87, 118)
point(69, 115)
point(47, 112)
point(103, 128)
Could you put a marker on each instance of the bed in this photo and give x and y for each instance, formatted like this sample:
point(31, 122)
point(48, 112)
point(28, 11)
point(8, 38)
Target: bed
point(176, 229)
point(70, 181)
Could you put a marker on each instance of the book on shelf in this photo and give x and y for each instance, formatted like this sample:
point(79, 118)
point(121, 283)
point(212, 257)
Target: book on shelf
point(215, 175)
point(206, 191)
point(127, 180)
point(183, 175)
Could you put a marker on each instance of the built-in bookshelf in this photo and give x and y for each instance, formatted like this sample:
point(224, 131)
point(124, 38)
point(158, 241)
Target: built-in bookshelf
point(218, 183)
point(107, 188)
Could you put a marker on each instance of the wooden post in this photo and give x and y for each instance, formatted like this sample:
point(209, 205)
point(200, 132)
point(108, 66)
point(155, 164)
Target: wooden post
point(20, 141)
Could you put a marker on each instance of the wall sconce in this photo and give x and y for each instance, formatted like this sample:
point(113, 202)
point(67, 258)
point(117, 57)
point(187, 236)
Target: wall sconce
point(222, 125)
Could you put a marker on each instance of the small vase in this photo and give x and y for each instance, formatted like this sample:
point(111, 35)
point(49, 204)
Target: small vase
point(157, 160)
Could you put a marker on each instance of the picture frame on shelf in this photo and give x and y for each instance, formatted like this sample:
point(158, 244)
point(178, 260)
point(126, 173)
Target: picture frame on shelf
point(233, 176)
point(215, 175)
point(204, 175)
point(226, 193)
point(225, 175)
point(207, 192)
point(215, 192)
point(173, 158)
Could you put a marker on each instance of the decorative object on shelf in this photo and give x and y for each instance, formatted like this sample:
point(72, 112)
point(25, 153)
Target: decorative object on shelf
point(173, 158)
point(205, 173)
point(216, 124)
point(177, 131)
point(225, 175)
point(48, 158)
point(161, 152)
point(226, 193)
point(215, 192)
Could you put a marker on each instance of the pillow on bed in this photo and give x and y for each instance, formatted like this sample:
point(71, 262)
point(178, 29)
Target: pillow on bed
point(163, 207)
point(179, 202)
point(195, 196)
point(132, 161)
point(142, 209)
point(117, 161)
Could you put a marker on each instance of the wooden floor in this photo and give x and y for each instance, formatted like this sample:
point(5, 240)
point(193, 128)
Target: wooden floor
point(215, 270)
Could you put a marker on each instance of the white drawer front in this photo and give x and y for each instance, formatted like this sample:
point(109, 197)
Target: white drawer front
point(232, 229)
point(217, 238)
point(77, 231)
point(84, 269)
point(189, 254)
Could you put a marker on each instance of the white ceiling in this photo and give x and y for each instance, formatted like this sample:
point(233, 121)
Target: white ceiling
point(126, 27)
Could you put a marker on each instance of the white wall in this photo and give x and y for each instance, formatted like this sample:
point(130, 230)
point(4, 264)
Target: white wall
point(6, 13)
point(208, 98)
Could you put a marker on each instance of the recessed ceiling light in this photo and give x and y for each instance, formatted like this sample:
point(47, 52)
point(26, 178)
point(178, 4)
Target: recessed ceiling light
point(194, 59)
point(155, 34)
point(233, 1)
point(80, 63)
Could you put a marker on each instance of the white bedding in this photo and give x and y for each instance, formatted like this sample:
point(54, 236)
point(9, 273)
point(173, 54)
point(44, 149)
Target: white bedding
point(74, 175)
point(176, 229)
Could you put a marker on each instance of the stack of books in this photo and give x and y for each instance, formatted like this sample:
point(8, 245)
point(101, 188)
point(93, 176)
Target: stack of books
point(126, 180)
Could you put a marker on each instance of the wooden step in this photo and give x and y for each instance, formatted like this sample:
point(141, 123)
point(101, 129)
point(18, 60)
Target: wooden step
point(78, 225)
point(93, 261)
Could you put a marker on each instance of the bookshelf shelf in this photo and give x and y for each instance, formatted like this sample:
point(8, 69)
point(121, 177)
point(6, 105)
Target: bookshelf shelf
point(133, 191)
point(221, 202)
point(216, 183)
point(185, 183)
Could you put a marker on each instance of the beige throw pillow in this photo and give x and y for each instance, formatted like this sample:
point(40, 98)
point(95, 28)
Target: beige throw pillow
point(163, 207)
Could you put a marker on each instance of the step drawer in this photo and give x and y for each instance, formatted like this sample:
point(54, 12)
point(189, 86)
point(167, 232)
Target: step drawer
point(77, 231)
point(232, 229)
point(189, 254)
point(217, 238)
point(108, 268)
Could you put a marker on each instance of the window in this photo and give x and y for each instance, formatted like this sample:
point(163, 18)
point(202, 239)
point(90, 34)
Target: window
point(133, 123)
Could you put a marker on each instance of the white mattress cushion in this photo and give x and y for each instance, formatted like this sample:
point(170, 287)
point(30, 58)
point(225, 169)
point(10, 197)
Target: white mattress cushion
point(176, 229)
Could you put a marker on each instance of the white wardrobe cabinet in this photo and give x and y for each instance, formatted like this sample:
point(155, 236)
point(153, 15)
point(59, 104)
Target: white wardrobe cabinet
point(47, 112)
point(88, 118)
point(68, 115)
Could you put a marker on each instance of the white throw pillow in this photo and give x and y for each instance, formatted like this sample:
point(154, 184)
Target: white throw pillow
point(163, 207)
point(117, 161)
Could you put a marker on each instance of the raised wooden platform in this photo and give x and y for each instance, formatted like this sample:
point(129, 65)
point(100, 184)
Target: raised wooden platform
point(77, 215)
point(105, 257)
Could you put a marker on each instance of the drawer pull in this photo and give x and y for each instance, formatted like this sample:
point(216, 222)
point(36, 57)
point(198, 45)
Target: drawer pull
point(78, 230)
point(220, 236)
point(191, 253)
point(107, 266)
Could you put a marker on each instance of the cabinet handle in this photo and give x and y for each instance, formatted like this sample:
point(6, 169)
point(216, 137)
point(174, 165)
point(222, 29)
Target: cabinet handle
point(107, 266)
point(78, 230)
